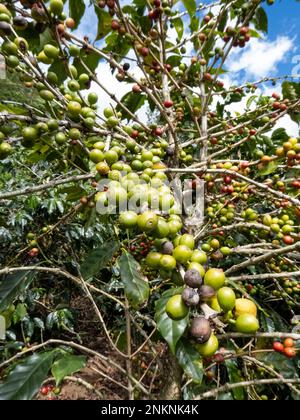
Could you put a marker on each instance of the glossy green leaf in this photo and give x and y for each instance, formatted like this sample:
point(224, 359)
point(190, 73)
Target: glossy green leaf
point(286, 367)
point(190, 360)
point(290, 90)
point(194, 24)
point(223, 22)
point(269, 168)
point(261, 20)
point(171, 330)
point(66, 366)
point(250, 101)
point(98, 258)
point(235, 376)
point(59, 69)
point(178, 25)
point(91, 59)
point(46, 37)
point(77, 9)
point(12, 285)
point(26, 378)
point(104, 23)
point(190, 6)
point(280, 134)
point(135, 283)
point(132, 101)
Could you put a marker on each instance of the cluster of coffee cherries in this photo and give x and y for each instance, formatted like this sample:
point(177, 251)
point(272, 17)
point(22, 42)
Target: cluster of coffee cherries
point(49, 391)
point(240, 314)
point(287, 348)
point(290, 150)
point(241, 36)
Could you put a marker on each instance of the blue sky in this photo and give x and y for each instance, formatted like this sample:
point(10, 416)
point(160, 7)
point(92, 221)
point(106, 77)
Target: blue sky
point(274, 54)
point(284, 18)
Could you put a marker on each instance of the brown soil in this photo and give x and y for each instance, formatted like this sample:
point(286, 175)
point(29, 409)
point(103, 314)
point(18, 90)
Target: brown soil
point(110, 388)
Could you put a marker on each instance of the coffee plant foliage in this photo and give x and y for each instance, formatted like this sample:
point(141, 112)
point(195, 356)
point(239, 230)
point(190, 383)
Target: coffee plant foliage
point(171, 217)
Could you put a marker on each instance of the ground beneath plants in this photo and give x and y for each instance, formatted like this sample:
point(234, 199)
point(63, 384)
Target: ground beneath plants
point(109, 382)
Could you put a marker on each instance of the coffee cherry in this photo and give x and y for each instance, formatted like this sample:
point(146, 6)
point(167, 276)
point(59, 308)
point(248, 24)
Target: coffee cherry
point(176, 309)
point(168, 104)
point(200, 330)
point(247, 324)
point(187, 240)
point(245, 306)
point(215, 278)
point(70, 23)
point(206, 293)
point(190, 297)
point(182, 254)
point(44, 390)
point(288, 342)
point(289, 352)
point(209, 348)
point(193, 279)
point(278, 347)
point(144, 51)
point(167, 248)
point(56, 7)
point(115, 25)
point(128, 219)
point(226, 298)
point(147, 221)
point(168, 262)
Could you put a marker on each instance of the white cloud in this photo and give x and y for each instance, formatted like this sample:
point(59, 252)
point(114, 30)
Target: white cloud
point(291, 127)
point(261, 57)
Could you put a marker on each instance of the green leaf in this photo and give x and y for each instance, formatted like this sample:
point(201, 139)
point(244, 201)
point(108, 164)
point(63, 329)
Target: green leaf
point(223, 22)
point(67, 365)
point(250, 101)
point(26, 378)
point(194, 25)
point(171, 330)
point(46, 37)
point(135, 283)
point(104, 23)
point(133, 102)
point(12, 285)
point(179, 27)
point(209, 45)
point(269, 168)
point(261, 20)
point(190, 6)
point(235, 376)
point(174, 60)
point(20, 313)
point(190, 360)
point(73, 192)
point(76, 10)
point(59, 69)
point(290, 90)
point(286, 367)
point(254, 34)
point(280, 134)
point(90, 58)
point(140, 3)
point(295, 116)
point(98, 258)
point(118, 45)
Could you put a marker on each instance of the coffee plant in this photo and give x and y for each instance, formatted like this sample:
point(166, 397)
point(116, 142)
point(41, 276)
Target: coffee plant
point(171, 218)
